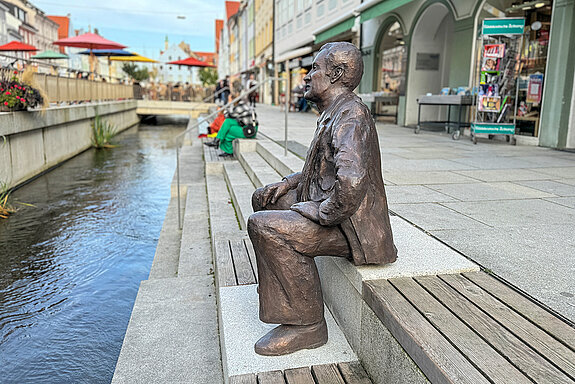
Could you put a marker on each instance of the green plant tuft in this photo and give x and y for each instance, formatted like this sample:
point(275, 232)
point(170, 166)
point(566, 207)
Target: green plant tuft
point(5, 207)
point(102, 133)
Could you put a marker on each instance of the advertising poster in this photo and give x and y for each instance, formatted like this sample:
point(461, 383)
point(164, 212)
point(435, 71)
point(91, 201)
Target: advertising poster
point(490, 64)
point(534, 88)
point(489, 103)
point(496, 51)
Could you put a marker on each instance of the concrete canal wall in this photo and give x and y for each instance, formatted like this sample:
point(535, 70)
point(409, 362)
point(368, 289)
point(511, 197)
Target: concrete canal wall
point(32, 142)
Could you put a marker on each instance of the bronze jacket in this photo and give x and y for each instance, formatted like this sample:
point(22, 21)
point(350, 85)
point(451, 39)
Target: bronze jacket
point(342, 171)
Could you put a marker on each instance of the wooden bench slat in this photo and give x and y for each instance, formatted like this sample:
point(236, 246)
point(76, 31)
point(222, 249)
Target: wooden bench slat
point(353, 373)
point(252, 256)
point(327, 374)
point(522, 356)
point(538, 315)
point(495, 366)
point(271, 377)
point(299, 376)
point(242, 265)
point(224, 266)
point(542, 342)
point(249, 378)
point(434, 355)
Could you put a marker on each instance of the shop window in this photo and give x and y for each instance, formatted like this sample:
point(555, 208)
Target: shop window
point(531, 71)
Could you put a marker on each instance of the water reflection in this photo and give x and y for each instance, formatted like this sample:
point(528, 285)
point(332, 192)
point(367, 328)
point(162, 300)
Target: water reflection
point(70, 266)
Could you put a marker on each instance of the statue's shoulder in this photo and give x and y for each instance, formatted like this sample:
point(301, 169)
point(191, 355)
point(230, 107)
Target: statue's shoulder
point(353, 106)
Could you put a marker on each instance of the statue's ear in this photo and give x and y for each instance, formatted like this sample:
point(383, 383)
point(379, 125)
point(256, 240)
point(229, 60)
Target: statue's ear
point(336, 73)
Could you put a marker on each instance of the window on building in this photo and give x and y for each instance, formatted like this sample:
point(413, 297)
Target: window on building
point(307, 3)
point(331, 5)
point(299, 5)
point(320, 10)
point(290, 9)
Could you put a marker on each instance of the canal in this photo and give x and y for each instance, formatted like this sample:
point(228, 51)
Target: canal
point(71, 264)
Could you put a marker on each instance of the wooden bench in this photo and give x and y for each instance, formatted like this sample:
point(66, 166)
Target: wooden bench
point(342, 373)
point(235, 262)
point(472, 328)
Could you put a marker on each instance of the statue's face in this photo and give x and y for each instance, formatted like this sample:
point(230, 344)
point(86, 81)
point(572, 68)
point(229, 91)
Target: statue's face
point(317, 81)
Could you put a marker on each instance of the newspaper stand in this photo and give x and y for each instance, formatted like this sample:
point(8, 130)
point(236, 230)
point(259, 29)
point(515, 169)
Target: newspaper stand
point(496, 107)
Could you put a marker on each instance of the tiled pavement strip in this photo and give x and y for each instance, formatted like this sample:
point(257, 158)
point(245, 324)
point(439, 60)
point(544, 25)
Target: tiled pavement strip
point(509, 208)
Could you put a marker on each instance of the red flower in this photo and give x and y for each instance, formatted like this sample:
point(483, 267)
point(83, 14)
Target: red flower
point(15, 72)
point(5, 103)
point(8, 93)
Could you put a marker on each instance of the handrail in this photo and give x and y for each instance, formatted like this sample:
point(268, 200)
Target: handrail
point(178, 138)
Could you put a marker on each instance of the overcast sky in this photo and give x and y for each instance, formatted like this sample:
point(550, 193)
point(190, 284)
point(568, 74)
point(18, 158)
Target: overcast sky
point(142, 25)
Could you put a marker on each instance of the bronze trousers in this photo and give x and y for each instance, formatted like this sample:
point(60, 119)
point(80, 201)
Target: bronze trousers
point(286, 243)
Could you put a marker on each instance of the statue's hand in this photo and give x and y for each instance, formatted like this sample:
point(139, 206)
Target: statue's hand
point(272, 192)
point(308, 209)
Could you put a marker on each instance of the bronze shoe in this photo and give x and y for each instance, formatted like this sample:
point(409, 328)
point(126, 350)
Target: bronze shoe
point(285, 339)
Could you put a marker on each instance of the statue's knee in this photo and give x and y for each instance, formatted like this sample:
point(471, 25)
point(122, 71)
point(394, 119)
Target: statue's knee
point(254, 225)
point(257, 199)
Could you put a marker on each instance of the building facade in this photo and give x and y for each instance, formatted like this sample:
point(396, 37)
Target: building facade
point(418, 47)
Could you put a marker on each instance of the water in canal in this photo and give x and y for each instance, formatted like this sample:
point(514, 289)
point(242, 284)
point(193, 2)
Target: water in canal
point(71, 265)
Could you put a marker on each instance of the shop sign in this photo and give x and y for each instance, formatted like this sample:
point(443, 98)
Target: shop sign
point(307, 61)
point(503, 26)
point(493, 128)
point(295, 63)
point(427, 61)
point(534, 88)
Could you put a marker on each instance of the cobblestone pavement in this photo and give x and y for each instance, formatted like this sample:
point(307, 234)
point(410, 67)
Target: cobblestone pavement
point(509, 208)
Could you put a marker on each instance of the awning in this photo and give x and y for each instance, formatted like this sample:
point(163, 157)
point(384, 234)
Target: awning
point(293, 53)
point(381, 8)
point(335, 30)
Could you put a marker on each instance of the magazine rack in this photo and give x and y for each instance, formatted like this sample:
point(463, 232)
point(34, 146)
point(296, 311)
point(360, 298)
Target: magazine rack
point(496, 85)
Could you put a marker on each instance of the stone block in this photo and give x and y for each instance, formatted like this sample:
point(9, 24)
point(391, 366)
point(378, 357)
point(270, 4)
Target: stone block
point(418, 255)
point(342, 299)
point(405, 194)
point(489, 191)
point(381, 354)
point(240, 328)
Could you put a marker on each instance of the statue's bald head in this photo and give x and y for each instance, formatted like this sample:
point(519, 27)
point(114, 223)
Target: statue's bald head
point(348, 57)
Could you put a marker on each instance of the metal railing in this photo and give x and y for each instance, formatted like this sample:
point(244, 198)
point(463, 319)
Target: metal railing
point(179, 138)
point(217, 93)
point(61, 89)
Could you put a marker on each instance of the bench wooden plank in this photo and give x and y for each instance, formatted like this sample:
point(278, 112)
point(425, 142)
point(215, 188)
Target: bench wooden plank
point(327, 374)
point(242, 265)
point(353, 373)
point(538, 315)
point(495, 366)
point(542, 342)
point(271, 377)
point(299, 376)
point(252, 256)
point(440, 361)
point(521, 355)
point(249, 378)
point(224, 266)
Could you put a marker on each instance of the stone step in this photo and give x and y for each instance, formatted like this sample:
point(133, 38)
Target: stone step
point(274, 154)
point(166, 259)
point(241, 190)
point(258, 170)
point(172, 335)
point(195, 249)
point(223, 221)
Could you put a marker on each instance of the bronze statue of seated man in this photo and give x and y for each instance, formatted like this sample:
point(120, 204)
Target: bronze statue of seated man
point(335, 206)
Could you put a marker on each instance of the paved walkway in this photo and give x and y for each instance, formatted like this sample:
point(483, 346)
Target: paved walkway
point(509, 208)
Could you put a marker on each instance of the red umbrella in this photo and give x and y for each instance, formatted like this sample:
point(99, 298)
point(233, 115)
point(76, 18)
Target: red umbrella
point(17, 46)
point(91, 41)
point(191, 62)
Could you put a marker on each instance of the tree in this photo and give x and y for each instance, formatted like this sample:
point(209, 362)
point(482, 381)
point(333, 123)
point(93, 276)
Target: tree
point(138, 74)
point(208, 76)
